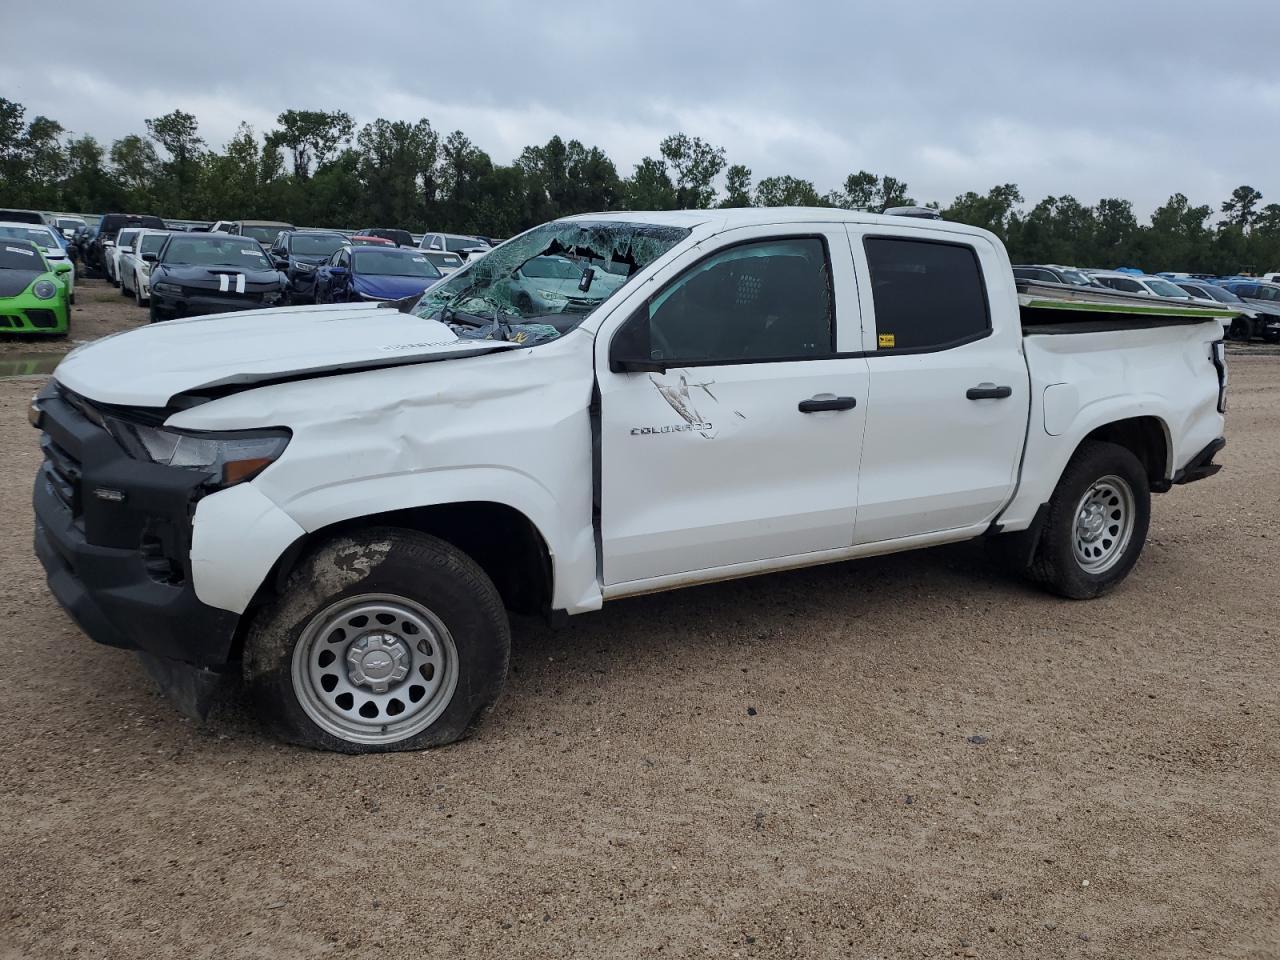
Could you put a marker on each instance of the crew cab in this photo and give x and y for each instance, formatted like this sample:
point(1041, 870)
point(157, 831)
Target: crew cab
point(341, 502)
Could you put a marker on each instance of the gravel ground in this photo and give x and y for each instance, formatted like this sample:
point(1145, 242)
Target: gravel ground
point(908, 756)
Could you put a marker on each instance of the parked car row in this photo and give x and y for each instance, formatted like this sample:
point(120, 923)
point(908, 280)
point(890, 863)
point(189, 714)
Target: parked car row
point(1257, 299)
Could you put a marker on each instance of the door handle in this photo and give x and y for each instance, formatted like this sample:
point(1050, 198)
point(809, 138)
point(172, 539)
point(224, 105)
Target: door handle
point(828, 403)
point(988, 391)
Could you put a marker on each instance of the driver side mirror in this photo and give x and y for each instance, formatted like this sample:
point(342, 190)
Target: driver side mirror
point(631, 350)
point(149, 257)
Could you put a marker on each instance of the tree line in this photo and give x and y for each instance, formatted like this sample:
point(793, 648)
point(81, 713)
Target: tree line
point(315, 167)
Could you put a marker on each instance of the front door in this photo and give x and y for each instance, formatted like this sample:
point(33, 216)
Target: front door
point(746, 447)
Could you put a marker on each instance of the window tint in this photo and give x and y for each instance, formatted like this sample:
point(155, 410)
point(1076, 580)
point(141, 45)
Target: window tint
point(754, 301)
point(926, 294)
point(1034, 273)
point(1127, 286)
point(458, 244)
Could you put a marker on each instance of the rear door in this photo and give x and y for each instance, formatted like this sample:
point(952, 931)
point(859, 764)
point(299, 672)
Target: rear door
point(949, 391)
point(746, 448)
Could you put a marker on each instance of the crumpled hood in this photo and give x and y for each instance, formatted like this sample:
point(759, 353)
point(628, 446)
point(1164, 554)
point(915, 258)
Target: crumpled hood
point(149, 366)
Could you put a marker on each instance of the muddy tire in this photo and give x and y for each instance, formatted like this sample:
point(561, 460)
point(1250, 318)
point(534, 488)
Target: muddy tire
point(384, 640)
point(1097, 523)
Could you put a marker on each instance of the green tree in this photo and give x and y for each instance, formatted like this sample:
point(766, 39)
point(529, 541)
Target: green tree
point(1241, 207)
point(135, 164)
point(89, 185)
point(394, 161)
point(312, 137)
point(178, 133)
point(786, 191)
point(737, 187)
point(650, 187)
point(695, 164)
point(994, 211)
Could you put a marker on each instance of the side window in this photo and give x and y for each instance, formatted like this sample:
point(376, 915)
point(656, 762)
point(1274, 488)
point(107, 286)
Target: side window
point(1126, 286)
point(755, 301)
point(926, 294)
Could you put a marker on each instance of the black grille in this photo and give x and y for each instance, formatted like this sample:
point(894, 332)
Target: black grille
point(42, 319)
point(7, 323)
point(62, 473)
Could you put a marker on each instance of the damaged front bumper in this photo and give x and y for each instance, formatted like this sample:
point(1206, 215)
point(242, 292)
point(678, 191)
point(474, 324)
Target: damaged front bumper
point(113, 535)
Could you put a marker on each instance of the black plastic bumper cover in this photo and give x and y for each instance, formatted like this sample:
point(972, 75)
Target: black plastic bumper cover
point(121, 566)
point(1201, 465)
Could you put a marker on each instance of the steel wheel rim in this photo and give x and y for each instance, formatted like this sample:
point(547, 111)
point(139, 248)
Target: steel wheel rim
point(375, 668)
point(1103, 524)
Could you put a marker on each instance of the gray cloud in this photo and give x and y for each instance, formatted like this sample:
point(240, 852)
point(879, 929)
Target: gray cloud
point(1093, 99)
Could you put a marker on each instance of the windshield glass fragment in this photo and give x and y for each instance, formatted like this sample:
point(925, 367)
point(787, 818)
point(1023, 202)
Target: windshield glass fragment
point(542, 284)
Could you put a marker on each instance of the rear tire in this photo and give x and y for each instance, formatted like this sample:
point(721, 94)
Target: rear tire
point(383, 640)
point(1097, 522)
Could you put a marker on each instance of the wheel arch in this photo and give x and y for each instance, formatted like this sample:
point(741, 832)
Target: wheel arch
point(1147, 438)
point(502, 540)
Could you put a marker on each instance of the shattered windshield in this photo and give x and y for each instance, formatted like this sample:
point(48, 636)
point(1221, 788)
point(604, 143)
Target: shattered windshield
point(543, 283)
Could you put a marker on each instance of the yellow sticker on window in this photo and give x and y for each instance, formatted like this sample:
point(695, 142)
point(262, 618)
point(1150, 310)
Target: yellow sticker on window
point(886, 341)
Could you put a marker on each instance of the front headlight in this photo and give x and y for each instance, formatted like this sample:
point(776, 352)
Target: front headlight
point(553, 296)
point(45, 289)
point(304, 267)
point(172, 289)
point(230, 457)
point(144, 268)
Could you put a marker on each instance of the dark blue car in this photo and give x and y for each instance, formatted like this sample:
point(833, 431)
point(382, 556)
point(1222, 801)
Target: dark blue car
point(374, 273)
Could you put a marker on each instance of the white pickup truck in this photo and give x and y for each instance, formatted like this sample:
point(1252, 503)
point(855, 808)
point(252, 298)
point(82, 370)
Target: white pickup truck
point(342, 502)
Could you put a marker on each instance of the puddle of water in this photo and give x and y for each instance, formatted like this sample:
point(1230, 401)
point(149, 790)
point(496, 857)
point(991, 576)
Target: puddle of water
point(27, 364)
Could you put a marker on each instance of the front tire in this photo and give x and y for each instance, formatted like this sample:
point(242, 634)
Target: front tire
point(1241, 329)
point(156, 315)
point(385, 640)
point(1097, 522)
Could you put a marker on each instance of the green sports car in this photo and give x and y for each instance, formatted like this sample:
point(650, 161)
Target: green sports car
point(33, 299)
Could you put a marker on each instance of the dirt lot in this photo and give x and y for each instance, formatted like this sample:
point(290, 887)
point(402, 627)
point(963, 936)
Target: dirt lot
point(910, 756)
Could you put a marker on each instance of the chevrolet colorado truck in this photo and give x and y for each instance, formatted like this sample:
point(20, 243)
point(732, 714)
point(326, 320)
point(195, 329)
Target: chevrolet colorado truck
point(342, 502)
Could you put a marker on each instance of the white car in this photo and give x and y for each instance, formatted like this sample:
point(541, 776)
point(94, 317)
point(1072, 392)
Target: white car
point(445, 262)
point(1143, 285)
point(342, 501)
point(552, 284)
point(469, 248)
point(66, 224)
point(44, 237)
point(111, 254)
point(134, 269)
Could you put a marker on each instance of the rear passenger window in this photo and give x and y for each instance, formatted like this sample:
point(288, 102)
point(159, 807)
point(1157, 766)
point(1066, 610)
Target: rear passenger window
point(769, 300)
point(926, 294)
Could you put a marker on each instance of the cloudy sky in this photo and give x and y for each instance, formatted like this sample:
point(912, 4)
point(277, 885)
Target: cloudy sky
point(1094, 99)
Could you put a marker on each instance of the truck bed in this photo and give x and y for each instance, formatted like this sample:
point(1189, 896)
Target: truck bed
point(1049, 308)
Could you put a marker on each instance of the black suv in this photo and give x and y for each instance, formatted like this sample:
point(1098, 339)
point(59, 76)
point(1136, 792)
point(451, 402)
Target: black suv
point(299, 253)
point(111, 225)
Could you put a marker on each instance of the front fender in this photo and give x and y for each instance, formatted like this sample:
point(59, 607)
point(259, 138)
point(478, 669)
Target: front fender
point(571, 545)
